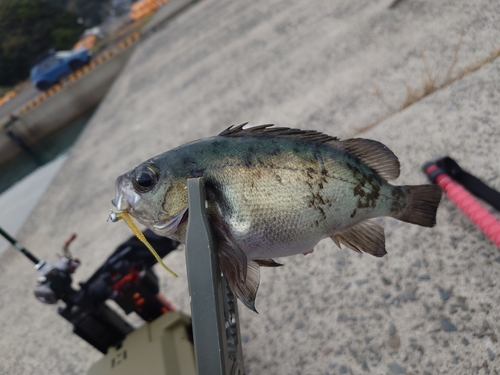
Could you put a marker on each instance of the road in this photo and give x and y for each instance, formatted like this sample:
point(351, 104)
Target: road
point(22, 98)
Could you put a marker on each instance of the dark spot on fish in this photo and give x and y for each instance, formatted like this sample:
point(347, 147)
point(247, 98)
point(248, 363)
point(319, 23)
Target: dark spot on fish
point(320, 199)
point(367, 188)
point(275, 151)
point(309, 172)
point(322, 212)
point(367, 199)
point(263, 164)
point(278, 178)
point(399, 200)
point(353, 213)
point(247, 160)
point(251, 149)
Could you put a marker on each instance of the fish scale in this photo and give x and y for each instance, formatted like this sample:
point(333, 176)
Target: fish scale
point(276, 192)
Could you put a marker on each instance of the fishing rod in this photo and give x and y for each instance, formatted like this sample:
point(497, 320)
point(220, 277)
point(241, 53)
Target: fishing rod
point(21, 248)
point(457, 183)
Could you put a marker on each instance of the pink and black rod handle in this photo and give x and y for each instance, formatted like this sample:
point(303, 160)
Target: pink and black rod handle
point(441, 172)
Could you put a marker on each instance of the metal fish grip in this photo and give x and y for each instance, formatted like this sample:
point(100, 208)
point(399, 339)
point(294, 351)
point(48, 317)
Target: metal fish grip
point(214, 308)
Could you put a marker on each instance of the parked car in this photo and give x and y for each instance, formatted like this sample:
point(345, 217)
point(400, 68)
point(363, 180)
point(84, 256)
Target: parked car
point(56, 66)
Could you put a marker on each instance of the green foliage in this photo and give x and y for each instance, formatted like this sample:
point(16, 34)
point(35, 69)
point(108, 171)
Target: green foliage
point(91, 12)
point(29, 28)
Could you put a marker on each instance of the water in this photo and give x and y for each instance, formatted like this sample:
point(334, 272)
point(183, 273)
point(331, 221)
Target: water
point(24, 181)
point(46, 151)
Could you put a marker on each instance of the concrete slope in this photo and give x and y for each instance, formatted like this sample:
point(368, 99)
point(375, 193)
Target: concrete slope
point(346, 68)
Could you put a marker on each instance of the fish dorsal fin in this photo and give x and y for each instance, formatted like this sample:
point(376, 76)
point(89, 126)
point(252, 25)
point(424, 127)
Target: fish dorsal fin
point(374, 154)
point(366, 236)
point(269, 130)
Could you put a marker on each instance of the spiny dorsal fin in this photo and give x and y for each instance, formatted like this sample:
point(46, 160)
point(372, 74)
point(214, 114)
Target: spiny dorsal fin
point(275, 131)
point(366, 236)
point(374, 154)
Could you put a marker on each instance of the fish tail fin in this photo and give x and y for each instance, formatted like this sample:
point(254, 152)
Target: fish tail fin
point(422, 202)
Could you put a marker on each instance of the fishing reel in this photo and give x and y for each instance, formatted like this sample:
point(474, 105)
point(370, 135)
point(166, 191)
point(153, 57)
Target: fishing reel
point(55, 280)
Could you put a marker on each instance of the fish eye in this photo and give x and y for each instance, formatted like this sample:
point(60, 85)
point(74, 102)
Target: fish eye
point(145, 178)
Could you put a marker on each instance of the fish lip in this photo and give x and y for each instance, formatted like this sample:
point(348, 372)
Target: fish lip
point(121, 187)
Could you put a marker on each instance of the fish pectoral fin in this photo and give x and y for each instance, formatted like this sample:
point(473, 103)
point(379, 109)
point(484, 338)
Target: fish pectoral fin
point(245, 290)
point(366, 236)
point(233, 261)
point(242, 275)
point(267, 262)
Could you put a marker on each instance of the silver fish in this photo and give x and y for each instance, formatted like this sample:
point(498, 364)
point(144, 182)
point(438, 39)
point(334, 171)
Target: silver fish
point(276, 192)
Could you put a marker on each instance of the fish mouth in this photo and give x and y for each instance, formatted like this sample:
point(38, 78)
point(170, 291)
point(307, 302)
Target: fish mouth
point(123, 198)
point(127, 199)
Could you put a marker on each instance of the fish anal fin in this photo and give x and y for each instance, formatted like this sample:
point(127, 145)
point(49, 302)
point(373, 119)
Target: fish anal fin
point(374, 154)
point(267, 262)
point(366, 236)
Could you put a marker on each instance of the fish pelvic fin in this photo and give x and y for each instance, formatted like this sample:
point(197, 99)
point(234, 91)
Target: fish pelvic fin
point(267, 262)
point(422, 202)
point(366, 236)
point(374, 154)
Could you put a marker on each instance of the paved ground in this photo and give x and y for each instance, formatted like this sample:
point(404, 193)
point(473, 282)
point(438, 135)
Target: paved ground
point(430, 307)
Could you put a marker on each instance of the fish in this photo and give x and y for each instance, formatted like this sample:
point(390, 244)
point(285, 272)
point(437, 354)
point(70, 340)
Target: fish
point(274, 192)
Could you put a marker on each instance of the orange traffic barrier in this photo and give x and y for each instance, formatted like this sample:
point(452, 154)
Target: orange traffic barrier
point(144, 8)
point(9, 95)
point(87, 41)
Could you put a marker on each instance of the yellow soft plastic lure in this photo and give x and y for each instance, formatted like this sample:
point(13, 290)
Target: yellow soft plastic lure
point(128, 220)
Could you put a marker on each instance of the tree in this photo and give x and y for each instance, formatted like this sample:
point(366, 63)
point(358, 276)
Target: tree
point(27, 29)
point(91, 13)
